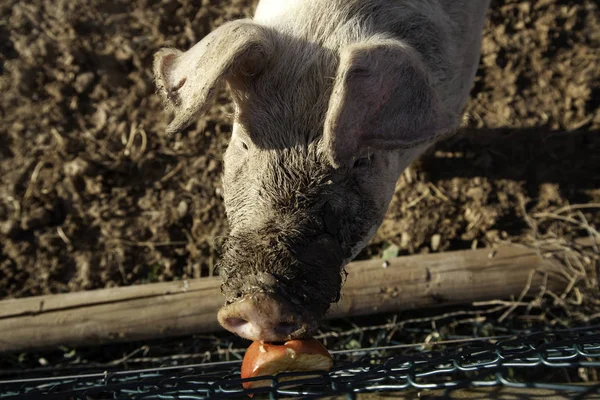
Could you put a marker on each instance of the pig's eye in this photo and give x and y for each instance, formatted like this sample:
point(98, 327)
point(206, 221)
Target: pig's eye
point(363, 162)
point(243, 145)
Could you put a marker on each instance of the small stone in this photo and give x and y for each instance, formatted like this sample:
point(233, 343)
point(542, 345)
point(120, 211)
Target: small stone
point(100, 118)
point(435, 241)
point(492, 235)
point(476, 193)
point(182, 209)
point(404, 241)
point(7, 227)
point(83, 81)
point(76, 167)
point(212, 165)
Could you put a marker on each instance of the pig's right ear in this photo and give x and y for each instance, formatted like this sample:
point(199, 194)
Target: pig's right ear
point(187, 81)
point(382, 98)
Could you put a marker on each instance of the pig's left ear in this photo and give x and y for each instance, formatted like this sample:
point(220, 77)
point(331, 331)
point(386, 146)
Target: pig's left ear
point(382, 99)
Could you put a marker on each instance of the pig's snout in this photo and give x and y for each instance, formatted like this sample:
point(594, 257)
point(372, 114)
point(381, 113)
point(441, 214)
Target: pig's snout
point(265, 317)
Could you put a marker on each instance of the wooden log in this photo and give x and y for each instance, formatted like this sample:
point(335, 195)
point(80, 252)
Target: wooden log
point(186, 307)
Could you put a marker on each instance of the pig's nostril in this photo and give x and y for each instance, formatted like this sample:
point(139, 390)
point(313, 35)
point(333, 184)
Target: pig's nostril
point(286, 328)
point(263, 317)
point(235, 322)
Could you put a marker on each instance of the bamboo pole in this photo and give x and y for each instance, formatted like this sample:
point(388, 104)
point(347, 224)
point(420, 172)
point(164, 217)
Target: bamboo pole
point(186, 307)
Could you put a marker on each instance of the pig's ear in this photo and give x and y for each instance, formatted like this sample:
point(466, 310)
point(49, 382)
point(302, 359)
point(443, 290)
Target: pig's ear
point(187, 81)
point(382, 99)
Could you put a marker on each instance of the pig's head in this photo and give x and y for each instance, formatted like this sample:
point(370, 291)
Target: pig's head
point(319, 139)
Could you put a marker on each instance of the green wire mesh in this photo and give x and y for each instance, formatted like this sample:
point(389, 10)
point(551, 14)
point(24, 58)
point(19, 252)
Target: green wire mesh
point(527, 361)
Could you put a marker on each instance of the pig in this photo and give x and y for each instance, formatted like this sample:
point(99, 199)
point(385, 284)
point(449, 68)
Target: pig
point(333, 99)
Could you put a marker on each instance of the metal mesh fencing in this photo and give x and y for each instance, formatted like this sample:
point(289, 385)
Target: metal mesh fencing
point(544, 360)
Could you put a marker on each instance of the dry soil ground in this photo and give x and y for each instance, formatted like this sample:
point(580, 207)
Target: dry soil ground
point(93, 193)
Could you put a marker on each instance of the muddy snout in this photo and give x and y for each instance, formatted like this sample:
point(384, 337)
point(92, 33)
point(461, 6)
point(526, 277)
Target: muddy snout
point(267, 317)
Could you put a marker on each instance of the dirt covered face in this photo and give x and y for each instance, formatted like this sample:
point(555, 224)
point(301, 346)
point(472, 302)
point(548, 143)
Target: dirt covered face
point(319, 139)
point(295, 222)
